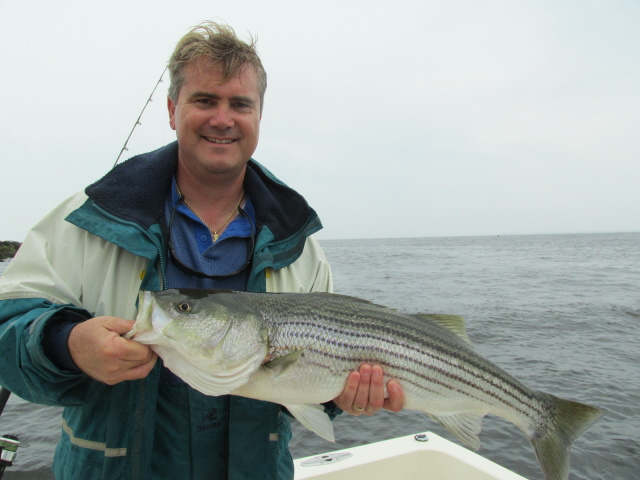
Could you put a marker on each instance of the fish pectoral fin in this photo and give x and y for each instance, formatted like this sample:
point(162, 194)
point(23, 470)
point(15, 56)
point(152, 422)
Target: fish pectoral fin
point(279, 365)
point(313, 418)
point(454, 323)
point(465, 426)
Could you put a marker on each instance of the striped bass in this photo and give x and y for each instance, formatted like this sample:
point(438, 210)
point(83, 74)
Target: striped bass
point(298, 349)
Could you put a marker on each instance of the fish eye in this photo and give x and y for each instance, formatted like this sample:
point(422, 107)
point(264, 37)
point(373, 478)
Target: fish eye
point(184, 307)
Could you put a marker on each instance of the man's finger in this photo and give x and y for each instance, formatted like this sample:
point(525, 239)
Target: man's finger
point(376, 390)
point(361, 400)
point(118, 325)
point(395, 402)
point(139, 371)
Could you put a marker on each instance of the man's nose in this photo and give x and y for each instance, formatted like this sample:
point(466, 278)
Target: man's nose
point(221, 117)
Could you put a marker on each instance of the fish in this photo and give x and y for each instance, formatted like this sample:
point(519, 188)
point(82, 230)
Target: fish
point(297, 349)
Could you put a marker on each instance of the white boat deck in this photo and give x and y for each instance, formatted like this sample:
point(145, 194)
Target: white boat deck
point(424, 456)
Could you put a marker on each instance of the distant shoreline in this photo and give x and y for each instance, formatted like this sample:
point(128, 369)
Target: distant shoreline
point(8, 249)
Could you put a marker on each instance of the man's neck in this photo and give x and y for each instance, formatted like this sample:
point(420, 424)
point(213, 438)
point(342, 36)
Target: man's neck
point(212, 198)
point(209, 189)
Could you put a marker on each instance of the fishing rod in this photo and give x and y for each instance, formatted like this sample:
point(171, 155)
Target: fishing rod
point(150, 99)
point(4, 396)
point(8, 443)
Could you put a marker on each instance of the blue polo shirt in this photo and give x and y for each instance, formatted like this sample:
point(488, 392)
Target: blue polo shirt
point(192, 244)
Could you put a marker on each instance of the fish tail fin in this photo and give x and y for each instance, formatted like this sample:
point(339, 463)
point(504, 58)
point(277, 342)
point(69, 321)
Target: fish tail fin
point(553, 445)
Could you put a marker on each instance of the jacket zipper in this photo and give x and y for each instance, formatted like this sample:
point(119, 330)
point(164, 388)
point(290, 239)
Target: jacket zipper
point(138, 467)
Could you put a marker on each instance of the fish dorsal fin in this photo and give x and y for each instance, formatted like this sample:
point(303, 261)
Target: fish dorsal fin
point(454, 323)
point(279, 365)
point(314, 418)
point(465, 426)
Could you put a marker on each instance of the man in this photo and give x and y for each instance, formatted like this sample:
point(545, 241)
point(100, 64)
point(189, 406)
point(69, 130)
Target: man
point(195, 213)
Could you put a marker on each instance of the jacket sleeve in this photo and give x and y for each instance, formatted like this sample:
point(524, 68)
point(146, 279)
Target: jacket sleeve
point(60, 274)
point(35, 294)
point(24, 368)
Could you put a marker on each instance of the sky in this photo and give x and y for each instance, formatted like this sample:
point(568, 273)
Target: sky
point(413, 118)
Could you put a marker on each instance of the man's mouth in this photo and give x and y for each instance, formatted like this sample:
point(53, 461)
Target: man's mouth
point(220, 141)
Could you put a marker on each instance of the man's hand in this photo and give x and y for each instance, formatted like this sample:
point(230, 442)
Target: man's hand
point(364, 392)
point(97, 348)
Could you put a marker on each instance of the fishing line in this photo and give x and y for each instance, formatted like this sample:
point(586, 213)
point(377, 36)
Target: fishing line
point(150, 99)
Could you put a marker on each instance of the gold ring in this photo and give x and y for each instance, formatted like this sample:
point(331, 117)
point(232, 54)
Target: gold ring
point(357, 408)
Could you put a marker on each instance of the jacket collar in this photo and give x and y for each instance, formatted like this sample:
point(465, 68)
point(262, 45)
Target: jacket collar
point(135, 190)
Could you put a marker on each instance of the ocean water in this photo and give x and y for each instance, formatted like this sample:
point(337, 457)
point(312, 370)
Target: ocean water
point(560, 312)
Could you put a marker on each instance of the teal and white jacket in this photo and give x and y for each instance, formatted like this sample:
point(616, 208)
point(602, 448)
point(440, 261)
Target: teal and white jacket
point(90, 257)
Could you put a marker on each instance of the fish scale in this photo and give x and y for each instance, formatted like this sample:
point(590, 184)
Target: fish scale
point(298, 349)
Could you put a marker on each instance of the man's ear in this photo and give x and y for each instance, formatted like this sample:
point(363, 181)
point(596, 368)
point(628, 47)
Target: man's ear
point(171, 106)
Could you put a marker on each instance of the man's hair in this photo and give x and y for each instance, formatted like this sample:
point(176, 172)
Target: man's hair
point(219, 45)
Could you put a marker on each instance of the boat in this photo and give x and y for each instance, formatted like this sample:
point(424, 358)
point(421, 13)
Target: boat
point(422, 456)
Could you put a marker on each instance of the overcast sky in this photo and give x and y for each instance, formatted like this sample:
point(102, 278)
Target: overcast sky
point(394, 118)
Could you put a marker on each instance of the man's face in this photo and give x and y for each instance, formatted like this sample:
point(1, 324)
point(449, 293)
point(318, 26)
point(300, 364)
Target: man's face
point(217, 124)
